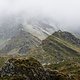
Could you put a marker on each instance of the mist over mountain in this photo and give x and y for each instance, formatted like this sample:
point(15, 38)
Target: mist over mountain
point(39, 40)
point(13, 13)
point(39, 26)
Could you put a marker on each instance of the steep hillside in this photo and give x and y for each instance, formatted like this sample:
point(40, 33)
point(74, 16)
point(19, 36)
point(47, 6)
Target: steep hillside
point(62, 46)
point(56, 49)
point(60, 51)
point(22, 42)
point(68, 37)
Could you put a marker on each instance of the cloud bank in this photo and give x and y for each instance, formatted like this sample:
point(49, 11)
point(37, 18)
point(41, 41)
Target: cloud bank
point(66, 12)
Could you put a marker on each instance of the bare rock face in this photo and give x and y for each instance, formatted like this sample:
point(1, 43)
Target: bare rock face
point(28, 69)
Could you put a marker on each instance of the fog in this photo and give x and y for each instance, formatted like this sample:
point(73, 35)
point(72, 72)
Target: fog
point(65, 12)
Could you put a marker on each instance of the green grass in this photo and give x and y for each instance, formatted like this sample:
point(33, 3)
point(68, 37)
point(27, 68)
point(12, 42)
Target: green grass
point(66, 43)
point(71, 68)
point(2, 61)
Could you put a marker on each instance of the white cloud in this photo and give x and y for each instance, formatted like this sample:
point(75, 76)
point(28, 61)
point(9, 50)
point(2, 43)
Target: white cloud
point(66, 12)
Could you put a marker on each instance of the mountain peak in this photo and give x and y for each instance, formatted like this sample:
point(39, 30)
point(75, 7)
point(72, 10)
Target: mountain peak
point(67, 36)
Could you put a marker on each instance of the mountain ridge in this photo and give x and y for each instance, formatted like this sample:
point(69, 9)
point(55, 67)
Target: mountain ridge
point(59, 56)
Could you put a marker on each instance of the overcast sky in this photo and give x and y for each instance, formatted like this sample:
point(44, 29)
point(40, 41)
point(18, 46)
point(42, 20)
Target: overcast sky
point(67, 12)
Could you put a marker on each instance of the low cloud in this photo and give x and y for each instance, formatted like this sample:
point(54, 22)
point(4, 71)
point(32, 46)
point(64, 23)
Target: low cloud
point(66, 12)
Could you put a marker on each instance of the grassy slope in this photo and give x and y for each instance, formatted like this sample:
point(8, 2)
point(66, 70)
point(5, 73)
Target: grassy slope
point(60, 48)
point(2, 61)
point(55, 49)
point(71, 68)
point(61, 54)
point(70, 53)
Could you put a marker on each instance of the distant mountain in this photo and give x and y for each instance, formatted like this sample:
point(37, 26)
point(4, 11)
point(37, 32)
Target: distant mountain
point(9, 27)
point(21, 43)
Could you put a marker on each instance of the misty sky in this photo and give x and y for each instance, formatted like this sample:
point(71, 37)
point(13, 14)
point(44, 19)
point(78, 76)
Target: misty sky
point(67, 12)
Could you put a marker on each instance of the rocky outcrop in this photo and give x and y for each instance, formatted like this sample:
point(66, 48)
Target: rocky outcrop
point(28, 69)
